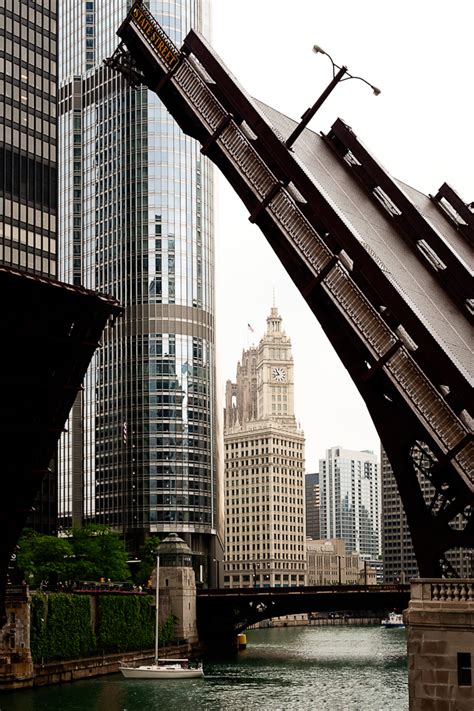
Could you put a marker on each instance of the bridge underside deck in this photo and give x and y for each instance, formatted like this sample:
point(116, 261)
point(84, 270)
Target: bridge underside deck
point(224, 613)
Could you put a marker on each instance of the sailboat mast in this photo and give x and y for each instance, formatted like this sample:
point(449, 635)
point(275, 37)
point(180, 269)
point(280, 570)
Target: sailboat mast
point(157, 598)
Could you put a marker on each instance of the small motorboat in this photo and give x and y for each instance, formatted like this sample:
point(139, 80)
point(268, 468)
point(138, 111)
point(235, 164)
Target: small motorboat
point(394, 619)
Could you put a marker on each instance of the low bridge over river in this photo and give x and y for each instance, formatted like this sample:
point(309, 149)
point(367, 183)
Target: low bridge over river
point(221, 614)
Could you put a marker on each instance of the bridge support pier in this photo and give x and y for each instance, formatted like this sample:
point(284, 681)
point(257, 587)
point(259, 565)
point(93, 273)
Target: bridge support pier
point(16, 665)
point(440, 641)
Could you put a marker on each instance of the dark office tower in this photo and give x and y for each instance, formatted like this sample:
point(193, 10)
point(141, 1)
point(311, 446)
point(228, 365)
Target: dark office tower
point(397, 549)
point(398, 554)
point(312, 504)
point(28, 174)
point(136, 220)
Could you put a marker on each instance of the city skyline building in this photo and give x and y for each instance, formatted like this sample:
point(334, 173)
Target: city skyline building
point(312, 505)
point(264, 468)
point(28, 165)
point(28, 144)
point(397, 549)
point(328, 563)
point(400, 564)
point(350, 500)
point(142, 450)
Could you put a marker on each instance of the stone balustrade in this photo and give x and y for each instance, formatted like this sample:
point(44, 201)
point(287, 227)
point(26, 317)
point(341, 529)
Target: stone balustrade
point(427, 590)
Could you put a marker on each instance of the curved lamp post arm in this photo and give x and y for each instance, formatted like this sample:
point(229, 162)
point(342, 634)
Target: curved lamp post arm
point(341, 75)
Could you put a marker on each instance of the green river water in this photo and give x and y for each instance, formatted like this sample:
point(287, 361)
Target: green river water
point(304, 668)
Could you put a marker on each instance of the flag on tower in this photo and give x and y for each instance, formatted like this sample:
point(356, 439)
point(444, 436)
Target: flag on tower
point(250, 328)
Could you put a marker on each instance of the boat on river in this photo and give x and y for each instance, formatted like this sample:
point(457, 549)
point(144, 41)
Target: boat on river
point(163, 668)
point(394, 619)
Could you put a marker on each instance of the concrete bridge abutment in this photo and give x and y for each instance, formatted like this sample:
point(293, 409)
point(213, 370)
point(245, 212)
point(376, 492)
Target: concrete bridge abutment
point(440, 642)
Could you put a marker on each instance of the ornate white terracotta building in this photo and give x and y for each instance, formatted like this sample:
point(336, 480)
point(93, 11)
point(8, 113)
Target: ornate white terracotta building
point(264, 468)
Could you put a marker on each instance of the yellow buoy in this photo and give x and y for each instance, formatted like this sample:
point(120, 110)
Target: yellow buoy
point(242, 640)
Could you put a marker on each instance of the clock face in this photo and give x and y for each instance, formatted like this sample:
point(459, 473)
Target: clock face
point(278, 374)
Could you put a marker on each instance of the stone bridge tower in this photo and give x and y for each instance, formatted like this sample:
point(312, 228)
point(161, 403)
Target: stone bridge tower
point(177, 587)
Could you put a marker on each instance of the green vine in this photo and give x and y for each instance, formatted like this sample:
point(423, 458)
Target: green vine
point(125, 623)
point(167, 630)
point(62, 625)
point(38, 633)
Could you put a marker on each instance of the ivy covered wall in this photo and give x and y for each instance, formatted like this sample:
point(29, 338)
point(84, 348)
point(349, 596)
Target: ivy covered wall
point(66, 626)
point(125, 623)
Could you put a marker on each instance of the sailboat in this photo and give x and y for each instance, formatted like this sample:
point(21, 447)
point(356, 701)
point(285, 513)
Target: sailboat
point(164, 668)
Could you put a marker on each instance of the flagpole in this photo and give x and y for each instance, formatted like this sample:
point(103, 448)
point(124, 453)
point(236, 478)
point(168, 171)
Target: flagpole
point(249, 335)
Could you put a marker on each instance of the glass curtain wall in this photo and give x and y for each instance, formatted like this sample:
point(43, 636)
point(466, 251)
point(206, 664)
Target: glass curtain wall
point(28, 195)
point(136, 221)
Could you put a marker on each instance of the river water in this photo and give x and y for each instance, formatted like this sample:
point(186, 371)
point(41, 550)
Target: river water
point(304, 668)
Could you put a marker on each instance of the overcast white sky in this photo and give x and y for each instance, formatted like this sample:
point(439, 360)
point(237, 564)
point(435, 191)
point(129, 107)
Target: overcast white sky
point(420, 54)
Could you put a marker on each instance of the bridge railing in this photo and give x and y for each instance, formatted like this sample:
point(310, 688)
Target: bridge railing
point(306, 590)
point(440, 592)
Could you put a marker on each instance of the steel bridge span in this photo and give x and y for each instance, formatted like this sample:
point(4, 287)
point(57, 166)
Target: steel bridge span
point(384, 268)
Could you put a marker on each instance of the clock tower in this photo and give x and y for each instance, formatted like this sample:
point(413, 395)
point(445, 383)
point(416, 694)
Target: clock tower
point(264, 468)
point(275, 388)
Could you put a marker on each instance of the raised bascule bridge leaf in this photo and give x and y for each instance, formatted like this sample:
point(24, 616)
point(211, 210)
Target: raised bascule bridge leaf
point(49, 332)
point(384, 268)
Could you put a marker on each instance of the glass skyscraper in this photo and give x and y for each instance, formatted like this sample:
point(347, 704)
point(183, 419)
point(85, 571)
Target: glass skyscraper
point(136, 220)
point(28, 172)
point(350, 500)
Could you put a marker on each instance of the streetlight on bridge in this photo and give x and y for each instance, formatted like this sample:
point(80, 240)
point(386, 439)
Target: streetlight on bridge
point(254, 574)
point(341, 75)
